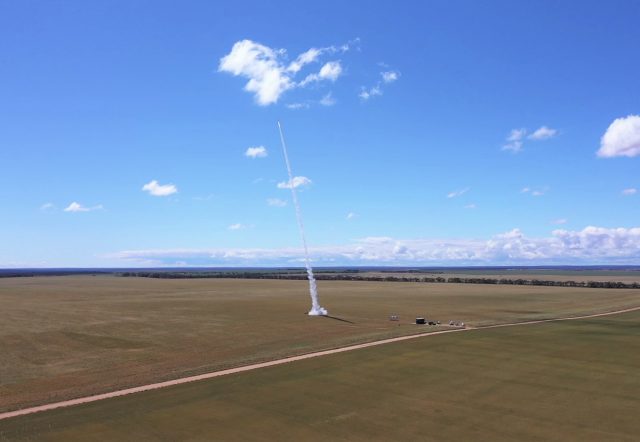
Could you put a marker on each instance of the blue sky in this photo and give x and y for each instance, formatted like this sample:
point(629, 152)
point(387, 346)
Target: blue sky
point(431, 132)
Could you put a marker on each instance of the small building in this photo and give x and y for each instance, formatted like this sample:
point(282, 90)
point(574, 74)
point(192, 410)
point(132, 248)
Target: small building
point(421, 321)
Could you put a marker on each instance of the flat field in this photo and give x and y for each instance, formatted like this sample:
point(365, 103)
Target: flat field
point(575, 380)
point(66, 337)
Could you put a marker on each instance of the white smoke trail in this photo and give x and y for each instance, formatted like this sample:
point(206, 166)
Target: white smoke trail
point(316, 310)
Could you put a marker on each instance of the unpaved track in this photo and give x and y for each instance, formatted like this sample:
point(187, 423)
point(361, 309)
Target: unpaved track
point(215, 374)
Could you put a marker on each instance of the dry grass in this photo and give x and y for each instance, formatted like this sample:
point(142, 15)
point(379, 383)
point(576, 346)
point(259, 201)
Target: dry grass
point(574, 380)
point(64, 337)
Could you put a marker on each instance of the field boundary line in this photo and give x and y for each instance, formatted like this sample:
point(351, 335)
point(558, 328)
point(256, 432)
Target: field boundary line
point(219, 373)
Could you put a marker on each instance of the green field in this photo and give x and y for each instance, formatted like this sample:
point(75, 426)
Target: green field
point(575, 380)
point(65, 337)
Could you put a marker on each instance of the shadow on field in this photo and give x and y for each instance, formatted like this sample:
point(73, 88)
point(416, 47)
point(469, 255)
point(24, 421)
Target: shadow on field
point(339, 319)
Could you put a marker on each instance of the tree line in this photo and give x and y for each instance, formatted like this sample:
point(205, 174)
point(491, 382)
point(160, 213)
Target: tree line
point(355, 277)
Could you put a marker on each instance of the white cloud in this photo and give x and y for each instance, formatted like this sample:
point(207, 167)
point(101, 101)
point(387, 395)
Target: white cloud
point(514, 146)
point(329, 71)
point(387, 77)
point(471, 206)
point(390, 76)
point(516, 134)
point(630, 191)
point(296, 182)
point(534, 192)
point(77, 207)
point(276, 202)
point(305, 58)
point(458, 193)
point(156, 189)
point(47, 206)
point(543, 133)
point(351, 215)
point(256, 152)
point(559, 221)
point(365, 94)
point(514, 140)
point(622, 138)
point(296, 106)
point(328, 100)
point(237, 226)
point(589, 245)
point(314, 54)
point(268, 74)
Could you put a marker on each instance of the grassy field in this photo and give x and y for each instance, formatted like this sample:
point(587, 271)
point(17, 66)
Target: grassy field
point(574, 380)
point(64, 337)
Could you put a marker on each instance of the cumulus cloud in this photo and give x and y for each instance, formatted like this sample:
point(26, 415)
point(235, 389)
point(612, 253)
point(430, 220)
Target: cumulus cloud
point(268, 78)
point(622, 138)
point(268, 73)
point(305, 58)
point(630, 191)
point(77, 207)
point(387, 77)
point(457, 193)
point(534, 192)
point(365, 93)
point(514, 140)
point(516, 134)
point(156, 189)
point(237, 226)
point(276, 202)
point(390, 76)
point(329, 71)
point(296, 182)
point(256, 152)
point(351, 215)
point(587, 246)
point(328, 100)
point(543, 133)
point(296, 106)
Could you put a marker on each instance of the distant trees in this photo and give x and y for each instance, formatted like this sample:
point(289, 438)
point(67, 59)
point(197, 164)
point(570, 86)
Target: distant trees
point(325, 275)
point(353, 276)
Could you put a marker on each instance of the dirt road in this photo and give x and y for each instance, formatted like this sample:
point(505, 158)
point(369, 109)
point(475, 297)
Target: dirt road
point(215, 374)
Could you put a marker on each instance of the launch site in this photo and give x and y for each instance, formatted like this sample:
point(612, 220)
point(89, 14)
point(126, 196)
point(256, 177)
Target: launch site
point(283, 221)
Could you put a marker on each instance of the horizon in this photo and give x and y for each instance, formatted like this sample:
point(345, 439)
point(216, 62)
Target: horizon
point(603, 267)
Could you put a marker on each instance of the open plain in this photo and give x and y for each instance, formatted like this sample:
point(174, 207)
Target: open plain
point(72, 336)
point(570, 380)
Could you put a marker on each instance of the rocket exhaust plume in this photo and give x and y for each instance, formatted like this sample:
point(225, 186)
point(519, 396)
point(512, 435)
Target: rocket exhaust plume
point(316, 310)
